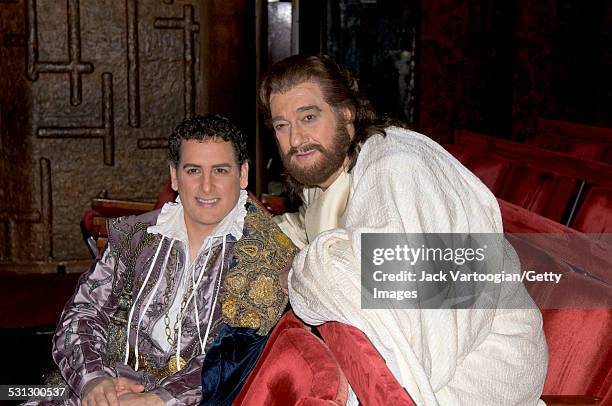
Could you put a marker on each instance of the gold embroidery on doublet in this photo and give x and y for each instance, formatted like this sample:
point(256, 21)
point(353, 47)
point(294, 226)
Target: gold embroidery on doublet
point(144, 364)
point(253, 297)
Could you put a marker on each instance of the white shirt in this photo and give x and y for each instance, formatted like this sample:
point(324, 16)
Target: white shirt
point(171, 224)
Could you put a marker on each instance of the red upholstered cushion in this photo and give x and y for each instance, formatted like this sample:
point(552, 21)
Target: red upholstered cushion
point(595, 214)
point(519, 220)
point(580, 352)
point(262, 207)
point(584, 149)
point(365, 369)
point(462, 152)
point(96, 230)
point(537, 191)
point(491, 170)
point(296, 368)
point(166, 195)
point(607, 155)
point(579, 338)
point(579, 148)
point(545, 141)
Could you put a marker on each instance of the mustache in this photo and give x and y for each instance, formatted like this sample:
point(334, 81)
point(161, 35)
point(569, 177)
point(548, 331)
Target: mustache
point(302, 149)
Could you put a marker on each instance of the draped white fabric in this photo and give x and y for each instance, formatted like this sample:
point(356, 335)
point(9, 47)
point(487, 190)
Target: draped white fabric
point(406, 183)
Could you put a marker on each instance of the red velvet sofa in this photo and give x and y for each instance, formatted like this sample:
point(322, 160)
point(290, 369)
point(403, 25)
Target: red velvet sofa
point(295, 368)
point(579, 140)
point(298, 368)
point(580, 348)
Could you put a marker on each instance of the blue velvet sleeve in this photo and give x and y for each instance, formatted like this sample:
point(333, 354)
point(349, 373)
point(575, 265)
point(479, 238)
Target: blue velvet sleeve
point(228, 363)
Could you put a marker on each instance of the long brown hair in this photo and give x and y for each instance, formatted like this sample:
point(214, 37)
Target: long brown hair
point(339, 88)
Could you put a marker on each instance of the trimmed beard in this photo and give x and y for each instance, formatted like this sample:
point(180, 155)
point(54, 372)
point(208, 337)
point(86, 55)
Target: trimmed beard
point(328, 163)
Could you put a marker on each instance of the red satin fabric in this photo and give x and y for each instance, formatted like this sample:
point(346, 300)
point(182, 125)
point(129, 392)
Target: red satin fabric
point(296, 368)
point(580, 357)
point(365, 369)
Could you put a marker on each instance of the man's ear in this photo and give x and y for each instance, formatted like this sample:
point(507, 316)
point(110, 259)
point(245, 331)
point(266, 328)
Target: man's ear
point(347, 114)
point(173, 179)
point(244, 175)
point(349, 118)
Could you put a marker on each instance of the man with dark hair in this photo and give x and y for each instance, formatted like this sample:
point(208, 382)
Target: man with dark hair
point(175, 287)
point(358, 174)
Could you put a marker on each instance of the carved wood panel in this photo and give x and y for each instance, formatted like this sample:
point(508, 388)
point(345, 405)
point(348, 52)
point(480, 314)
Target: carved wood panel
point(92, 90)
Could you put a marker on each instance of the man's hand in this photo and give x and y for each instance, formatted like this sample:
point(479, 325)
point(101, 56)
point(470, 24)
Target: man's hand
point(283, 280)
point(105, 391)
point(124, 385)
point(140, 399)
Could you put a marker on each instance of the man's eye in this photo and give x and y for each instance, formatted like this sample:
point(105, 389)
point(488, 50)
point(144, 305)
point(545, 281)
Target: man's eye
point(192, 171)
point(221, 170)
point(279, 127)
point(309, 117)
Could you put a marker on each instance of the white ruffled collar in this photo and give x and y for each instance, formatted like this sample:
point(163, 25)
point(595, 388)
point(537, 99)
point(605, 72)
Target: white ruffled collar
point(171, 221)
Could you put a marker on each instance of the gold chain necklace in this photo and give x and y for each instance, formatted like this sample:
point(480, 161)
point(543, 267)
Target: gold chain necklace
point(172, 366)
point(172, 334)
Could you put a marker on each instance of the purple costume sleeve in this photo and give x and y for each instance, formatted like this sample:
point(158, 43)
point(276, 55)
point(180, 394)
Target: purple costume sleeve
point(181, 388)
point(80, 338)
point(185, 386)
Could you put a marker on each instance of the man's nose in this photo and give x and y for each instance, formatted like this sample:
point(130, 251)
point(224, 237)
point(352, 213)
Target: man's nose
point(297, 136)
point(206, 183)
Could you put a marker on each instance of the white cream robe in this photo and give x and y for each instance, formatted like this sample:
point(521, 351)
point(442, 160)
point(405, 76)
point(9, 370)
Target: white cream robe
point(406, 183)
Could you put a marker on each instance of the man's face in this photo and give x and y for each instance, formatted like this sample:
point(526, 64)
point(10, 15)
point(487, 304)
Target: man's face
point(311, 138)
point(208, 180)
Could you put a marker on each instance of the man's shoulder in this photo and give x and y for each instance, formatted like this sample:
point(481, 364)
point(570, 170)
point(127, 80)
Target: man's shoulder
point(262, 232)
point(253, 295)
point(400, 145)
point(403, 139)
point(259, 222)
point(128, 229)
point(254, 206)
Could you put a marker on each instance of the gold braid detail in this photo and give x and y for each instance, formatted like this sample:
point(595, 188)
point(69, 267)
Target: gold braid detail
point(117, 329)
point(252, 296)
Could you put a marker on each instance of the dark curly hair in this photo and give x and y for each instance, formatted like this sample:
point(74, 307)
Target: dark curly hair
point(204, 128)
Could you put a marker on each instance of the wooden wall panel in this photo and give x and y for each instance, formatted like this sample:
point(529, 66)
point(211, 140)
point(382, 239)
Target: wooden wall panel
point(89, 92)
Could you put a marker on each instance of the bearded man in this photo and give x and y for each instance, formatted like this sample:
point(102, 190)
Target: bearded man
point(358, 174)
